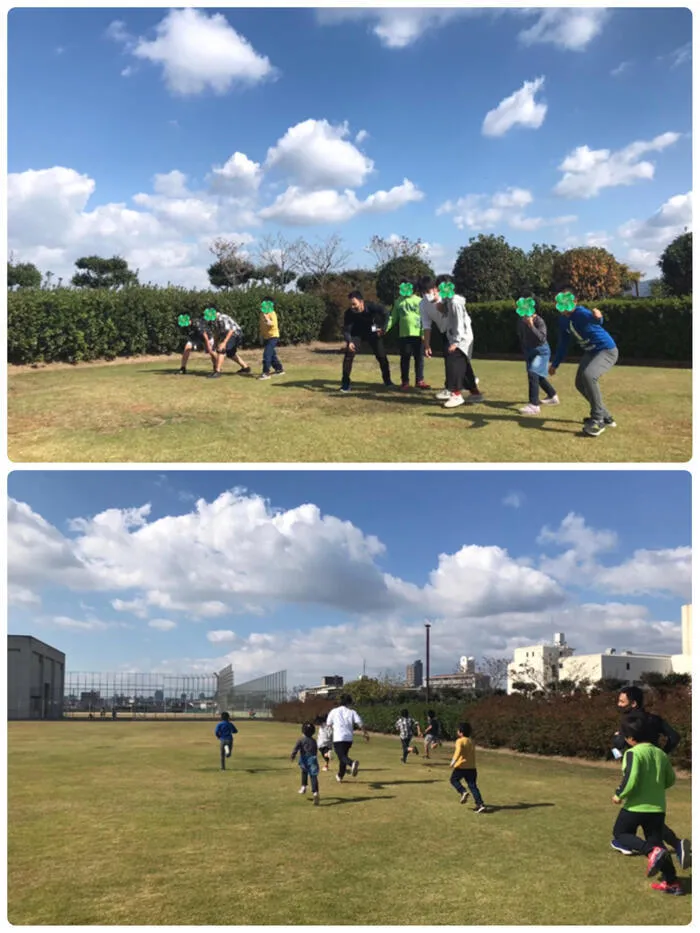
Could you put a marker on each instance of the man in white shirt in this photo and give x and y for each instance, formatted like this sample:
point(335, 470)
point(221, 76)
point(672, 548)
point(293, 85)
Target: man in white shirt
point(343, 721)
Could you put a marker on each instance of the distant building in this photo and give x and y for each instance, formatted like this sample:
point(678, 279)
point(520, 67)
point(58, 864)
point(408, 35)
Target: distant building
point(35, 679)
point(627, 665)
point(414, 674)
point(538, 664)
point(463, 680)
point(329, 687)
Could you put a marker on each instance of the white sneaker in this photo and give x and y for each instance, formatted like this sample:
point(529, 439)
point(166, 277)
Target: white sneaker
point(464, 797)
point(475, 399)
point(265, 376)
point(302, 790)
point(454, 401)
point(228, 750)
point(339, 779)
point(554, 400)
point(530, 410)
point(355, 768)
point(443, 395)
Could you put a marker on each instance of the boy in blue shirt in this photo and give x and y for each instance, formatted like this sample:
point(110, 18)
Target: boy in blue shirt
point(224, 732)
point(600, 354)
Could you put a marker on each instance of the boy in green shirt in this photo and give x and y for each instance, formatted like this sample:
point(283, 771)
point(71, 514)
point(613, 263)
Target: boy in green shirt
point(406, 311)
point(646, 775)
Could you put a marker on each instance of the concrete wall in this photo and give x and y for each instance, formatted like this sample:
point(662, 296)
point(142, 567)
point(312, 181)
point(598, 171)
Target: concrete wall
point(627, 667)
point(35, 679)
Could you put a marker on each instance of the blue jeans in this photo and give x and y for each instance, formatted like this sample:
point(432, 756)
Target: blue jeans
point(469, 775)
point(537, 362)
point(270, 358)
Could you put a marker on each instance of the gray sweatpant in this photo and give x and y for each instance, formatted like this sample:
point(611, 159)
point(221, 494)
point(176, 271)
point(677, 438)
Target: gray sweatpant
point(591, 368)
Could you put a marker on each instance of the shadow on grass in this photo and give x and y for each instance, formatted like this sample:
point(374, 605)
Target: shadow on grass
point(378, 785)
point(198, 373)
point(336, 801)
point(494, 808)
point(524, 421)
point(686, 885)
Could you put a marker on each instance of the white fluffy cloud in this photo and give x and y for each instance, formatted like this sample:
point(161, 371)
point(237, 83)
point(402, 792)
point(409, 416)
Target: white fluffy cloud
point(645, 240)
point(395, 28)
point(569, 28)
point(221, 636)
point(162, 625)
point(486, 212)
point(588, 171)
point(297, 206)
point(519, 109)
point(316, 154)
point(239, 173)
point(197, 52)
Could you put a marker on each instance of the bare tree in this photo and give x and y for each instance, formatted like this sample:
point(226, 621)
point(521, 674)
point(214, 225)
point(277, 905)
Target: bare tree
point(279, 257)
point(322, 260)
point(496, 670)
point(384, 249)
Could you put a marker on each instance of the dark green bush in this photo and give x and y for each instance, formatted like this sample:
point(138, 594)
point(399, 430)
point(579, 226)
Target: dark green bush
point(71, 325)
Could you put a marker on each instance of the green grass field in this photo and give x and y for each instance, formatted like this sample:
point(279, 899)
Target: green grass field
point(134, 823)
point(140, 412)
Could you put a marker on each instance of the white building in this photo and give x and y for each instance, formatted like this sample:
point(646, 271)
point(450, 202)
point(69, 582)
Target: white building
point(542, 664)
point(538, 664)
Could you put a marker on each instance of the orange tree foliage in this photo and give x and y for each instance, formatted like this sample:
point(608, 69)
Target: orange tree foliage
point(589, 271)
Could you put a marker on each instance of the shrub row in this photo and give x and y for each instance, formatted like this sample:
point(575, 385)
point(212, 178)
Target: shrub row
point(68, 325)
point(578, 726)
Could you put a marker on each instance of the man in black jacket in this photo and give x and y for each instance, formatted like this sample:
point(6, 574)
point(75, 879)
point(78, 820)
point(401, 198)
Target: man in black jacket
point(632, 698)
point(364, 320)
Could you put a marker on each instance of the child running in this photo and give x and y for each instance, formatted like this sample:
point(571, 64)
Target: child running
point(532, 333)
point(307, 749)
point(406, 726)
point(224, 732)
point(464, 764)
point(325, 741)
point(270, 333)
point(431, 736)
point(647, 773)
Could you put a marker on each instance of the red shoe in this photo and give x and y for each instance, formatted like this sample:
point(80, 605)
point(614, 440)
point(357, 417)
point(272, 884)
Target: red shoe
point(654, 860)
point(422, 385)
point(668, 887)
point(405, 386)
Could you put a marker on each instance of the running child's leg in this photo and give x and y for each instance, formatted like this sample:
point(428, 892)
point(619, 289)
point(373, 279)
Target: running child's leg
point(470, 777)
point(456, 780)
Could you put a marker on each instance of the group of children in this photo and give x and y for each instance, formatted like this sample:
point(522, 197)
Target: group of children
point(647, 774)
point(221, 336)
point(419, 306)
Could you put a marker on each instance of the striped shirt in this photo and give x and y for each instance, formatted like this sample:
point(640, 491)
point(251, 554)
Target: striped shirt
point(224, 324)
point(405, 726)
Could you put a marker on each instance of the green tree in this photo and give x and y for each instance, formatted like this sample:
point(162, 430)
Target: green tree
point(97, 272)
point(23, 275)
point(396, 271)
point(490, 269)
point(385, 249)
point(630, 279)
point(590, 271)
point(232, 269)
point(676, 265)
point(540, 269)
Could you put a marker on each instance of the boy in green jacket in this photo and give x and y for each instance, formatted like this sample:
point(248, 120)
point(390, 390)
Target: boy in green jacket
point(646, 775)
point(406, 311)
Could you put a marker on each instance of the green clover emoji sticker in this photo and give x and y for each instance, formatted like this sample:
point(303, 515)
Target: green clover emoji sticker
point(525, 307)
point(447, 290)
point(406, 290)
point(210, 314)
point(184, 320)
point(267, 307)
point(565, 301)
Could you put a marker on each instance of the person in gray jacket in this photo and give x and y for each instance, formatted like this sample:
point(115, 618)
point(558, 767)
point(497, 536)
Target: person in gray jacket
point(532, 333)
point(459, 339)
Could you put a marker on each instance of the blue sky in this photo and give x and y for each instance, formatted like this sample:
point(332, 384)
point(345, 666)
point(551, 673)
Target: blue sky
point(316, 571)
point(140, 107)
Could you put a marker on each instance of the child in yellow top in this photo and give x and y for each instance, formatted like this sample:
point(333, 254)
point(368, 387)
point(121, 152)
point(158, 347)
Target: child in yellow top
point(464, 765)
point(270, 333)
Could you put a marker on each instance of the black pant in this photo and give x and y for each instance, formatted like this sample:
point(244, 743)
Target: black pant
point(652, 824)
point(305, 780)
point(377, 345)
point(469, 775)
point(342, 750)
point(406, 746)
point(411, 347)
point(469, 381)
point(460, 374)
point(224, 744)
point(535, 383)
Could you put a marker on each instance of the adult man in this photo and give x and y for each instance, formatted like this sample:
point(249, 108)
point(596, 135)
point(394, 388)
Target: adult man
point(600, 354)
point(434, 311)
point(199, 338)
point(406, 311)
point(343, 721)
point(364, 320)
point(226, 339)
point(632, 699)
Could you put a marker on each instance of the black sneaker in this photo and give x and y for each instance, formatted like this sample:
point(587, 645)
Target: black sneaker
point(593, 428)
point(244, 370)
point(214, 376)
point(481, 809)
point(182, 371)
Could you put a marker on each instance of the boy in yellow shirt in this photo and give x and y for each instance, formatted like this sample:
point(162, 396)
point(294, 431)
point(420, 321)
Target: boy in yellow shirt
point(270, 333)
point(464, 764)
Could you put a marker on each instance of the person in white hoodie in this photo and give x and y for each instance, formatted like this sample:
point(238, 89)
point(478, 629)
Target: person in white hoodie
point(442, 313)
point(343, 720)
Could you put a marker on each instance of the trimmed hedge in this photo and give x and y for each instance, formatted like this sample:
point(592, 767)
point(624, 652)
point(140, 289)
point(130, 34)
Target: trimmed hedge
point(578, 726)
point(73, 325)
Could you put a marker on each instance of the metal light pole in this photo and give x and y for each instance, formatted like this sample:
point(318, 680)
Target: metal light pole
point(427, 662)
